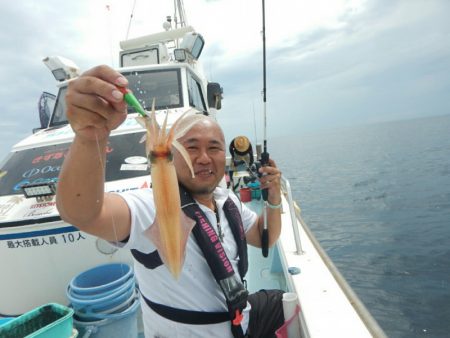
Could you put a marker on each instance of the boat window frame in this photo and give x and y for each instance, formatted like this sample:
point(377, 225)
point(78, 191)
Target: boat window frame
point(177, 70)
point(60, 99)
point(61, 96)
point(191, 77)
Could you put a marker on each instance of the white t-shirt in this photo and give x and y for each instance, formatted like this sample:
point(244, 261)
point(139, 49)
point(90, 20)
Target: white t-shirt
point(196, 289)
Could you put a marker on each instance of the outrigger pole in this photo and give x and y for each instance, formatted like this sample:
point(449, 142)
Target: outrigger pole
point(264, 154)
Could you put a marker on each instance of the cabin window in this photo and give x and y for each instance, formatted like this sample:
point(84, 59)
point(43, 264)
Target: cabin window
point(196, 99)
point(164, 85)
point(59, 113)
point(125, 159)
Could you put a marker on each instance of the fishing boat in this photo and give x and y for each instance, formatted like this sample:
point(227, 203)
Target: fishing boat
point(40, 253)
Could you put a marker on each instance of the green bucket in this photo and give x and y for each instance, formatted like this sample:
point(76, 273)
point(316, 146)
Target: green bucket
point(47, 321)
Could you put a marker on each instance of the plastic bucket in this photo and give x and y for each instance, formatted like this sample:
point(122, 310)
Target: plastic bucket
point(100, 302)
point(4, 320)
point(123, 324)
point(102, 278)
point(100, 294)
point(88, 315)
point(129, 283)
point(245, 194)
point(47, 321)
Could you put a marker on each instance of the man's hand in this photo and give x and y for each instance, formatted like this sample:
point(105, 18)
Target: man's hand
point(271, 180)
point(94, 105)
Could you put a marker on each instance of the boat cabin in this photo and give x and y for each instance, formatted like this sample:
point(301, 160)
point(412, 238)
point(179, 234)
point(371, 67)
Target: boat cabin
point(162, 66)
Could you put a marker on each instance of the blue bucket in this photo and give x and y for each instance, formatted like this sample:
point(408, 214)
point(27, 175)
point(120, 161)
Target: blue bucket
point(123, 324)
point(81, 296)
point(87, 314)
point(102, 278)
point(102, 302)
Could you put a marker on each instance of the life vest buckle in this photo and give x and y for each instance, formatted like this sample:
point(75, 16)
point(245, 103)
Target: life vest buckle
point(238, 316)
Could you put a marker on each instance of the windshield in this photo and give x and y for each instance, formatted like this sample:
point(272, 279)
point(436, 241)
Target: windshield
point(163, 85)
point(59, 116)
point(125, 159)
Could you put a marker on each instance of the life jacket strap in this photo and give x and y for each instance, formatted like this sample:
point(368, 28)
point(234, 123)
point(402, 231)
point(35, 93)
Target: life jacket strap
point(187, 316)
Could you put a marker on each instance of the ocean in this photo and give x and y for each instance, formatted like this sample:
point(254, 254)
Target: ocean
point(377, 197)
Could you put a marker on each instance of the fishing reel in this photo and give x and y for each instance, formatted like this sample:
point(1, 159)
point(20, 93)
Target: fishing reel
point(253, 170)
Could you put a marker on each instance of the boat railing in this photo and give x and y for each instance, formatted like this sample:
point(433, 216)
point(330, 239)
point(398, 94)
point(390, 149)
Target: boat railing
point(370, 322)
point(286, 189)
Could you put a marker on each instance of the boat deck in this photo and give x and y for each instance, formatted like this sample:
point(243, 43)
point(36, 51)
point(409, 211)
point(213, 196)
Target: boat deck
point(297, 263)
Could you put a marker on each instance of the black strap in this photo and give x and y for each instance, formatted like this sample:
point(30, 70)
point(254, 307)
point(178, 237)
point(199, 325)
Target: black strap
point(231, 284)
point(193, 317)
point(235, 221)
point(152, 260)
point(187, 316)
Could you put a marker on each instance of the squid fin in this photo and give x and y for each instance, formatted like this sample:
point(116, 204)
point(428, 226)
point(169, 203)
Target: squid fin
point(153, 234)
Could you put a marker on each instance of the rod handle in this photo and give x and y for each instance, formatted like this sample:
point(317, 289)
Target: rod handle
point(265, 162)
point(265, 242)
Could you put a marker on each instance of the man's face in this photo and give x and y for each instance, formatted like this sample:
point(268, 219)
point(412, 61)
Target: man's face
point(205, 144)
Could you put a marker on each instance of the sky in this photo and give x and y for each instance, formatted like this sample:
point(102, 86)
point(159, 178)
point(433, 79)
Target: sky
point(330, 63)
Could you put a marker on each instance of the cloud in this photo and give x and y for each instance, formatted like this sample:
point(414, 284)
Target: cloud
point(386, 62)
point(329, 63)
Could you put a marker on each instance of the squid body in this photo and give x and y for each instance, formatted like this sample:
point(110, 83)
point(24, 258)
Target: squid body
point(171, 229)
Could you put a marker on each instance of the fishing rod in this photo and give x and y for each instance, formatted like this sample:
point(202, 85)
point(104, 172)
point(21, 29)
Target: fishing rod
point(264, 155)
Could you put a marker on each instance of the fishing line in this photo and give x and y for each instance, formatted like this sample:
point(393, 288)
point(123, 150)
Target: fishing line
point(131, 18)
point(109, 29)
point(116, 237)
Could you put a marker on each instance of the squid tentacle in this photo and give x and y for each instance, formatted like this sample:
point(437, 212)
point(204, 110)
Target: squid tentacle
point(185, 155)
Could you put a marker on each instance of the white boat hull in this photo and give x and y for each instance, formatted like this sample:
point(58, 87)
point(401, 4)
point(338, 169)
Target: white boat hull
point(38, 262)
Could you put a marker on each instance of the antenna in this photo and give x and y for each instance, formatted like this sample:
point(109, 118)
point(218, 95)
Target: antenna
point(179, 6)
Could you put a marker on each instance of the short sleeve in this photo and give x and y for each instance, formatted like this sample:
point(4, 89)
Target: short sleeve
point(142, 211)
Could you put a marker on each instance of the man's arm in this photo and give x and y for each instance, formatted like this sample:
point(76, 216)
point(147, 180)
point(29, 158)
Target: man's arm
point(94, 108)
point(270, 181)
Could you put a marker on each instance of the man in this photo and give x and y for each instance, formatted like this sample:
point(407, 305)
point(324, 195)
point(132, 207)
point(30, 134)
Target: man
point(195, 304)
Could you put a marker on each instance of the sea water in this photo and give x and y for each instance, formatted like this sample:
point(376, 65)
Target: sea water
point(377, 197)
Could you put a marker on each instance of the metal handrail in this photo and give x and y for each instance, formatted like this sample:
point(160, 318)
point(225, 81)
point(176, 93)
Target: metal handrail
point(286, 188)
point(370, 322)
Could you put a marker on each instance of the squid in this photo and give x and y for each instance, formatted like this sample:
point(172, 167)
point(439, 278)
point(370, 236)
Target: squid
point(172, 227)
